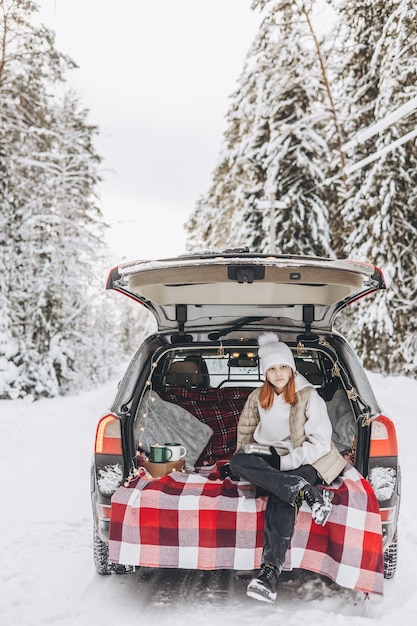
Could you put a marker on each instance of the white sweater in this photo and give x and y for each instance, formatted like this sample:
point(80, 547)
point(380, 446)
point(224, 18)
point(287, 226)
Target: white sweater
point(273, 429)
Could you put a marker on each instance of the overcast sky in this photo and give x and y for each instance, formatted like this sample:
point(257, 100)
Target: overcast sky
point(157, 76)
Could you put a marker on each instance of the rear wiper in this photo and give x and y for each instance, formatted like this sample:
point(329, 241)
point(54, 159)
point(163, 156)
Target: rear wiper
point(243, 322)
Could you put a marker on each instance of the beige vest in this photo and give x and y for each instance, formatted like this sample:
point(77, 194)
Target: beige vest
point(331, 464)
point(328, 466)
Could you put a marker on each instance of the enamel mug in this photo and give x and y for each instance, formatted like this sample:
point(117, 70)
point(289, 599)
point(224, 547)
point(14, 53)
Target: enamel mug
point(178, 451)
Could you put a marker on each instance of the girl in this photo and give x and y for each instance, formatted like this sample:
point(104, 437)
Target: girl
point(287, 418)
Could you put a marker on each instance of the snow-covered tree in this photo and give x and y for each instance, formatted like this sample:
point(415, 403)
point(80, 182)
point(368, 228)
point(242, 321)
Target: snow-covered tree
point(66, 228)
point(292, 137)
point(380, 216)
point(275, 148)
point(28, 61)
point(57, 331)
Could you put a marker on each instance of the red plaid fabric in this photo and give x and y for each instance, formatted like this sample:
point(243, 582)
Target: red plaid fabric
point(196, 522)
point(220, 408)
point(187, 521)
point(348, 549)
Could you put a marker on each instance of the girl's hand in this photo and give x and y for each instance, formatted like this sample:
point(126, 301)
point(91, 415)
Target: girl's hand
point(275, 459)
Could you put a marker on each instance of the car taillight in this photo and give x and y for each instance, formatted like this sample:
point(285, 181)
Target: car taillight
point(383, 437)
point(108, 436)
point(104, 511)
point(387, 514)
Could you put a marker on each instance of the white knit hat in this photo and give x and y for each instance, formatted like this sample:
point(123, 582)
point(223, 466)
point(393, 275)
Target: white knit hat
point(272, 351)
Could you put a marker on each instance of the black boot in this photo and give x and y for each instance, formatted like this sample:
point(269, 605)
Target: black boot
point(264, 586)
point(319, 501)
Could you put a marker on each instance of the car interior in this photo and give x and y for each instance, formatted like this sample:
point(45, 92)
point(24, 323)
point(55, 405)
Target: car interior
point(237, 367)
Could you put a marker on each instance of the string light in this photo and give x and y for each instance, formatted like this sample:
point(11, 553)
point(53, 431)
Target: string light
point(135, 471)
point(145, 412)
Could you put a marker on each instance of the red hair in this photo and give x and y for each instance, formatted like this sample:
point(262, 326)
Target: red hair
point(266, 397)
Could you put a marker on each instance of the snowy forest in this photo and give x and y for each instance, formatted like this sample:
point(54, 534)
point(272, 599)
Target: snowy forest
point(319, 143)
point(59, 330)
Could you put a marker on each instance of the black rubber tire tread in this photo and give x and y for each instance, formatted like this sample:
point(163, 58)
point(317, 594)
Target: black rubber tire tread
point(101, 555)
point(390, 559)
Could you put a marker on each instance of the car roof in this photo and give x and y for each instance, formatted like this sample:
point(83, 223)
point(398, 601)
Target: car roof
point(209, 289)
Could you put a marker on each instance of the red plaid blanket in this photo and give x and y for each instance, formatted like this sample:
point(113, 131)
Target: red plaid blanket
point(196, 522)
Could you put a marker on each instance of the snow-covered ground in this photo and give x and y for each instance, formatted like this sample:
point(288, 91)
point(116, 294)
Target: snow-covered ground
point(47, 572)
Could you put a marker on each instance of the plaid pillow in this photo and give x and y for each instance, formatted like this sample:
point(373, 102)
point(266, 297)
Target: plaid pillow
point(220, 408)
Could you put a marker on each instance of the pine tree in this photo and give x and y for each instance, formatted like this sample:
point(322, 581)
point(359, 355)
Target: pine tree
point(57, 330)
point(381, 223)
point(27, 60)
point(275, 148)
point(68, 230)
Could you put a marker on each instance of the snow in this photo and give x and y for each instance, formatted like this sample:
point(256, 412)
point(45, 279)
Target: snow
point(381, 152)
point(380, 125)
point(383, 481)
point(48, 576)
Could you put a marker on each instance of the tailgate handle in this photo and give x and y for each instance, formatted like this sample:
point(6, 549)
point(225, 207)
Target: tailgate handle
point(245, 273)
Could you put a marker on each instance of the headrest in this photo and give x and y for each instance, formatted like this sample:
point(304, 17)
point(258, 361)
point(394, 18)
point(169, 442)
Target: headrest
point(311, 371)
point(184, 374)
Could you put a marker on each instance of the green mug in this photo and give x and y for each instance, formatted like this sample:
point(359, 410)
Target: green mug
point(160, 454)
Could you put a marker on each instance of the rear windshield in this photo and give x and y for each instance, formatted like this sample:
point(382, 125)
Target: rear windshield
point(233, 366)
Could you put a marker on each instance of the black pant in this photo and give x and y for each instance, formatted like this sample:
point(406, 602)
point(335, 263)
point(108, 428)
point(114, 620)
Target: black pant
point(282, 489)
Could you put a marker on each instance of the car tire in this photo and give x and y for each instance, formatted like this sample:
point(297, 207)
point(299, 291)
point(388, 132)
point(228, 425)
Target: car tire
point(101, 559)
point(390, 559)
point(101, 555)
